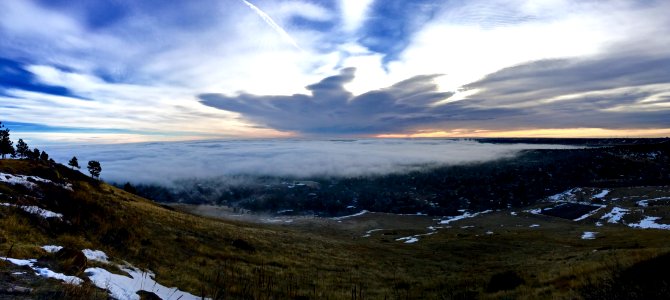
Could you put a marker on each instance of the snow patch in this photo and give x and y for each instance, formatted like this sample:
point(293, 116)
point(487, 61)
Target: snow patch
point(41, 212)
point(36, 211)
point(601, 194)
point(465, 215)
point(125, 287)
point(44, 272)
point(615, 215)
point(589, 235)
point(645, 202)
point(52, 248)
point(567, 195)
point(414, 238)
point(29, 181)
point(591, 213)
point(534, 225)
point(369, 232)
point(408, 239)
point(536, 211)
point(362, 212)
point(649, 223)
point(95, 255)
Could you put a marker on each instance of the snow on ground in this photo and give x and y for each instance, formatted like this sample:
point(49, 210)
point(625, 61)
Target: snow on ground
point(513, 213)
point(415, 238)
point(645, 202)
point(615, 215)
point(589, 235)
point(44, 272)
point(649, 223)
point(126, 287)
point(567, 195)
point(536, 211)
point(601, 194)
point(591, 213)
point(51, 248)
point(369, 232)
point(534, 225)
point(41, 212)
point(95, 255)
point(29, 181)
point(465, 215)
point(408, 239)
point(362, 212)
point(36, 211)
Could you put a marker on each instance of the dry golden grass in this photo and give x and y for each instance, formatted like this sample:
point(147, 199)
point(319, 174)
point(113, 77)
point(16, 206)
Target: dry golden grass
point(236, 260)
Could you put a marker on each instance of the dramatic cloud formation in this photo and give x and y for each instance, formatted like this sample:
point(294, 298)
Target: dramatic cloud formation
point(146, 162)
point(331, 109)
point(146, 70)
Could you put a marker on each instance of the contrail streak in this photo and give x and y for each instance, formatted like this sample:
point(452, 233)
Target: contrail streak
point(272, 24)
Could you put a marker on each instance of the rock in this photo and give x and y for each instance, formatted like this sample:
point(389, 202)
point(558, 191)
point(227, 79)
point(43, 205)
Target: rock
point(144, 295)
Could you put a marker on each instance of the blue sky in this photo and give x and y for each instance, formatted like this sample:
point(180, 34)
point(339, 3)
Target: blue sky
point(130, 71)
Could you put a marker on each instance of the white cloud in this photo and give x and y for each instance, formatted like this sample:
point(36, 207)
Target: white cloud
point(303, 158)
point(354, 13)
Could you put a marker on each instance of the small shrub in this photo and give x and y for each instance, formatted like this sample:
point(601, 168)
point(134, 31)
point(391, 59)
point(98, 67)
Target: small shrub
point(504, 281)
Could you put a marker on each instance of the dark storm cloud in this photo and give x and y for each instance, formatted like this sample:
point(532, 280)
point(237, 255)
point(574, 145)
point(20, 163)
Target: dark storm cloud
point(552, 78)
point(615, 92)
point(609, 92)
point(331, 109)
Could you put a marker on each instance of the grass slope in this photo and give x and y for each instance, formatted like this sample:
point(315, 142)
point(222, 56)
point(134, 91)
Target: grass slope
point(234, 260)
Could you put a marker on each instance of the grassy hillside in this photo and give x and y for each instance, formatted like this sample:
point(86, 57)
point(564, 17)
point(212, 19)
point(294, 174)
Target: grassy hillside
point(226, 259)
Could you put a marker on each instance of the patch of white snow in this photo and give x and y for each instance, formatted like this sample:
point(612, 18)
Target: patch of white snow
point(649, 223)
point(615, 215)
point(362, 212)
point(95, 255)
point(52, 248)
point(44, 272)
point(589, 235)
point(601, 194)
point(36, 211)
point(126, 287)
point(465, 215)
point(591, 213)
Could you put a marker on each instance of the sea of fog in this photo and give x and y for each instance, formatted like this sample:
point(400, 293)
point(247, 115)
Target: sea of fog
point(165, 162)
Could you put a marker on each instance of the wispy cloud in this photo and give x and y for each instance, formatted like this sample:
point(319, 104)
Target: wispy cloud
point(272, 24)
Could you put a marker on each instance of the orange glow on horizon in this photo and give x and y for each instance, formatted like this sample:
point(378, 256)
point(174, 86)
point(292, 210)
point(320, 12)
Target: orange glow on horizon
point(536, 133)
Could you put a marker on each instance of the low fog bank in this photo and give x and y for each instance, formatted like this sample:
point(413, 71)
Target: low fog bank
point(235, 161)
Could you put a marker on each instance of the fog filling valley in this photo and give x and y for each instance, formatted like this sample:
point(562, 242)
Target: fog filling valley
point(166, 163)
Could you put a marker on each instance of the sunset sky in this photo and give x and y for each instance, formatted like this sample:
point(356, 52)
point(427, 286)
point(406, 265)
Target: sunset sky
point(129, 71)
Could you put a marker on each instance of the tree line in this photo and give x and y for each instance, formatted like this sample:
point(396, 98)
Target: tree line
point(23, 151)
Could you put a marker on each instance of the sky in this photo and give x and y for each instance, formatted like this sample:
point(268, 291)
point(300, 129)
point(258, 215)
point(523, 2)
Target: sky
point(122, 71)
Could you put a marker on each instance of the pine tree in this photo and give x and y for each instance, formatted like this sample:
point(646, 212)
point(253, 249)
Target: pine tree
point(6, 145)
point(44, 156)
point(35, 154)
point(94, 168)
point(22, 149)
point(74, 163)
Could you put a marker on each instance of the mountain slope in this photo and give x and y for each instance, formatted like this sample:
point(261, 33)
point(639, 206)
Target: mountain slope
point(490, 255)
